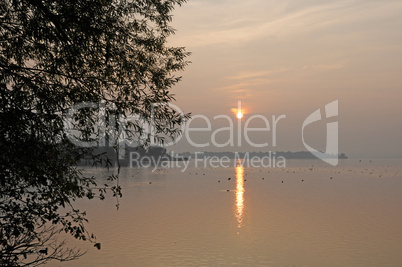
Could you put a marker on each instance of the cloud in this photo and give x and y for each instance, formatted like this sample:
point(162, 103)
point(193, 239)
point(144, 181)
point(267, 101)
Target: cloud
point(235, 22)
point(256, 74)
point(329, 67)
point(250, 80)
point(242, 87)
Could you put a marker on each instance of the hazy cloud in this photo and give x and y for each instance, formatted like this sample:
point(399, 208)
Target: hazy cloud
point(224, 22)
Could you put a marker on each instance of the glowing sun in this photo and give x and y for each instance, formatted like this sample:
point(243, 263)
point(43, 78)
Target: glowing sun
point(239, 112)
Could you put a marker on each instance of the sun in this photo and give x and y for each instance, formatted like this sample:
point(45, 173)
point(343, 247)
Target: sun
point(239, 112)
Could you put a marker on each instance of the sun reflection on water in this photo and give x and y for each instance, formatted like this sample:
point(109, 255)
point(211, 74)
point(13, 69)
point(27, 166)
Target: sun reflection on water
point(239, 195)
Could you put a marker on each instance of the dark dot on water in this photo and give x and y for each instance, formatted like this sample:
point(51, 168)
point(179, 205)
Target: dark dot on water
point(282, 182)
point(263, 178)
point(245, 180)
point(229, 178)
point(302, 180)
point(150, 182)
point(227, 190)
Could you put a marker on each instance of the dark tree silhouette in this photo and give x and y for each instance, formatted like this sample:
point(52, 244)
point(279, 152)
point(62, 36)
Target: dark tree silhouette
point(56, 54)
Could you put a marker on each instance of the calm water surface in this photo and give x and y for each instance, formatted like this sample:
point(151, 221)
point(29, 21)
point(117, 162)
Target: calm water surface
point(307, 214)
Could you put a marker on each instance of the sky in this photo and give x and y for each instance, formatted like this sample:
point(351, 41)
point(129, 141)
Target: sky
point(291, 58)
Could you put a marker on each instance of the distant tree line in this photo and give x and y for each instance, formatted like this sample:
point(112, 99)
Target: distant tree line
point(286, 155)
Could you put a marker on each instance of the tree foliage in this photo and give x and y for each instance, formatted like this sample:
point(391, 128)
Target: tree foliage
point(54, 55)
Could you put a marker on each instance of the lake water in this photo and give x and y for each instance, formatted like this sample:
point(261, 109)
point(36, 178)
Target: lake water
point(307, 214)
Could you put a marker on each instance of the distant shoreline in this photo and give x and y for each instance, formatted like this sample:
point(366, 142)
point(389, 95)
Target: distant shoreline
point(234, 155)
point(156, 155)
